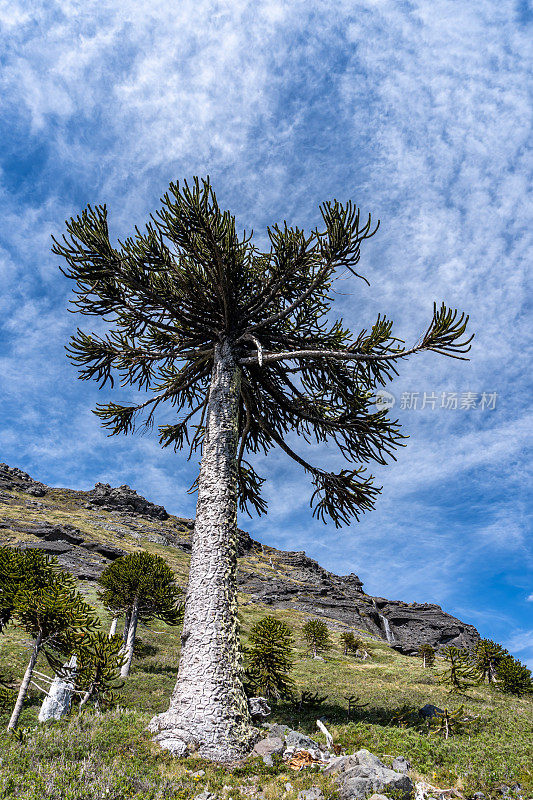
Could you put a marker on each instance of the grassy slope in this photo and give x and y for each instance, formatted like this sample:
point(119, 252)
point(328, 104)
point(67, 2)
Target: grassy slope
point(111, 756)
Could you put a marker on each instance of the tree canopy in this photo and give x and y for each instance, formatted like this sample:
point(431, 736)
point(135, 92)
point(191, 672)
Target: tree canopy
point(173, 291)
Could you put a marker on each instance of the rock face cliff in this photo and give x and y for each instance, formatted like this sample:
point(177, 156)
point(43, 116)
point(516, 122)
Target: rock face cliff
point(112, 521)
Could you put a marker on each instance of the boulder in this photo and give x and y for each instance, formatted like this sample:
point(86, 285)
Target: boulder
point(363, 774)
point(401, 764)
point(258, 707)
point(299, 741)
point(268, 747)
point(276, 729)
point(429, 710)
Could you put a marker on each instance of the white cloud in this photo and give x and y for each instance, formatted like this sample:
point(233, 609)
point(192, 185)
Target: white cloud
point(419, 112)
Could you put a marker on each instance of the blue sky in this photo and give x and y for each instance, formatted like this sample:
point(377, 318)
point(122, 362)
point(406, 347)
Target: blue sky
point(419, 112)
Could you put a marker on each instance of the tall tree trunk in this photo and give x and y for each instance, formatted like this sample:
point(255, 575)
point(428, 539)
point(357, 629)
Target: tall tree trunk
point(113, 627)
point(208, 708)
point(25, 683)
point(132, 631)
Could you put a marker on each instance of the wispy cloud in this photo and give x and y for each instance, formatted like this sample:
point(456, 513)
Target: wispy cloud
point(417, 111)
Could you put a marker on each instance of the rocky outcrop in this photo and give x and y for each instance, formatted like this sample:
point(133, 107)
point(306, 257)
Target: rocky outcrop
point(122, 498)
point(13, 479)
point(309, 588)
point(266, 576)
point(85, 558)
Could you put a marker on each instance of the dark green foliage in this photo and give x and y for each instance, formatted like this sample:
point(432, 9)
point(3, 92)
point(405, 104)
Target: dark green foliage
point(99, 658)
point(148, 578)
point(187, 282)
point(427, 654)
point(23, 569)
point(57, 613)
point(513, 676)
point(316, 634)
point(350, 642)
point(460, 672)
point(487, 656)
point(98, 670)
point(270, 658)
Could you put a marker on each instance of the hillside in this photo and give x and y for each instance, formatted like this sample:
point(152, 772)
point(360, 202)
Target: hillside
point(111, 755)
point(85, 530)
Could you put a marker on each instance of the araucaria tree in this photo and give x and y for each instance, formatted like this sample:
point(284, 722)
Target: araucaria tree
point(54, 616)
point(316, 634)
point(460, 672)
point(427, 654)
point(487, 656)
point(350, 642)
point(242, 344)
point(144, 587)
point(270, 657)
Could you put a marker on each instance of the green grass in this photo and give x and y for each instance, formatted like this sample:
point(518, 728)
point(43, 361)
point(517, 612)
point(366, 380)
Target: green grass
point(112, 756)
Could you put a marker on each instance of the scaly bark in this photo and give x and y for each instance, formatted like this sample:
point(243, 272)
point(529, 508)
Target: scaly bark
point(25, 683)
point(113, 627)
point(208, 709)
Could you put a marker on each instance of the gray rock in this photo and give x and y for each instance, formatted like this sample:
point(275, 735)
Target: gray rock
point(429, 710)
point(314, 793)
point(378, 797)
point(258, 707)
point(276, 729)
point(177, 747)
point(205, 795)
point(269, 746)
point(362, 774)
point(14, 479)
point(401, 764)
point(300, 741)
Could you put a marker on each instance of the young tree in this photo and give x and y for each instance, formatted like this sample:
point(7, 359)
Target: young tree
point(243, 344)
point(460, 672)
point(487, 656)
point(270, 657)
point(143, 585)
point(448, 722)
point(98, 676)
point(350, 642)
point(513, 677)
point(53, 616)
point(427, 654)
point(316, 634)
